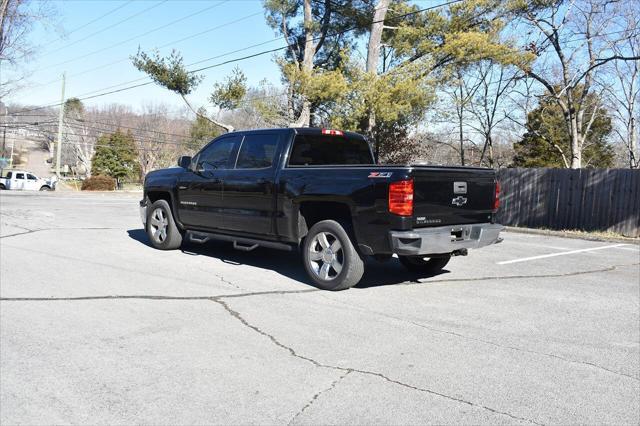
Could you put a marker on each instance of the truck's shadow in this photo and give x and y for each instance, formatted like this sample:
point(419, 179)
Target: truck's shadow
point(289, 264)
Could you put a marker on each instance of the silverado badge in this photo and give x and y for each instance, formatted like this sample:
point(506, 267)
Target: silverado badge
point(459, 201)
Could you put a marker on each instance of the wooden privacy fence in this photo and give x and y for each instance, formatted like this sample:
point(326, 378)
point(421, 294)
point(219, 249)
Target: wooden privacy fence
point(584, 199)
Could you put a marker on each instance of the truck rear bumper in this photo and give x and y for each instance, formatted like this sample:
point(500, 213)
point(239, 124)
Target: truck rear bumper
point(444, 239)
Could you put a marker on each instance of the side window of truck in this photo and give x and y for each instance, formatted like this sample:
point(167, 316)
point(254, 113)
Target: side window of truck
point(257, 151)
point(217, 155)
point(9, 174)
point(19, 175)
point(31, 177)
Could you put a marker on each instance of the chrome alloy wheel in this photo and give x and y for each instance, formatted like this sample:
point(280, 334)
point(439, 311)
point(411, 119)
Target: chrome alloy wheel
point(326, 256)
point(158, 223)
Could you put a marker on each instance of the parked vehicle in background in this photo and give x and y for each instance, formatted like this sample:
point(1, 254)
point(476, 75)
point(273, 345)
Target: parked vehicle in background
point(320, 190)
point(26, 181)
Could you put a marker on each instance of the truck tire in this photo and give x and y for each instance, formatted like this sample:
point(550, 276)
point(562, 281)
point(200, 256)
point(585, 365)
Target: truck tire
point(45, 188)
point(422, 265)
point(161, 228)
point(330, 258)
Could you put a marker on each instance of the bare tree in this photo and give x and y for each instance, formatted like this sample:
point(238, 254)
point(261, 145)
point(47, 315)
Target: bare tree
point(454, 110)
point(578, 33)
point(81, 140)
point(487, 104)
point(623, 89)
point(17, 19)
point(158, 144)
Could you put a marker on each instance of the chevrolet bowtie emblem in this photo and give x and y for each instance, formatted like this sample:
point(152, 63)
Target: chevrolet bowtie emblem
point(459, 201)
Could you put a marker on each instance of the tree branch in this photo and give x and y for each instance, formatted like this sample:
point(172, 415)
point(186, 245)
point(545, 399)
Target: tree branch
point(227, 127)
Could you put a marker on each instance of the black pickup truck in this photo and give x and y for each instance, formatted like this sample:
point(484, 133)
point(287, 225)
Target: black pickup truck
point(320, 190)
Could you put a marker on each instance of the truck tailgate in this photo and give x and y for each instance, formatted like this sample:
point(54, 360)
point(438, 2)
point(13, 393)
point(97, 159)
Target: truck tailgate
point(452, 196)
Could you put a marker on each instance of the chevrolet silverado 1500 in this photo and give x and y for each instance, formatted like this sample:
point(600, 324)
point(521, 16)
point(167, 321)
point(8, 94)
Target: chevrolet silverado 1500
point(320, 191)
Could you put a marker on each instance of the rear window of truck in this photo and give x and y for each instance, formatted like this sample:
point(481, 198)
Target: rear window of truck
point(327, 150)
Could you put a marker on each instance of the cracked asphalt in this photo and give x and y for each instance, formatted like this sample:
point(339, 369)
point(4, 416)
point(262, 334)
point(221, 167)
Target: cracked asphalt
point(96, 327)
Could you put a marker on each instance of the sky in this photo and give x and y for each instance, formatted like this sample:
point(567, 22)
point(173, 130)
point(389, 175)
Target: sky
point(99, 36)
point(92, 41)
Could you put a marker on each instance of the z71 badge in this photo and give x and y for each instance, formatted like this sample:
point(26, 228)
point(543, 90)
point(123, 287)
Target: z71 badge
point(380, 174)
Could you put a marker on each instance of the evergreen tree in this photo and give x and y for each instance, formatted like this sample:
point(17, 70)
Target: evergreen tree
point(116, 156)
point(547, 142)
point(202, 131)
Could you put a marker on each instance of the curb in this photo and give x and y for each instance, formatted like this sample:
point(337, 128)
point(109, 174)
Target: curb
point(571, 235)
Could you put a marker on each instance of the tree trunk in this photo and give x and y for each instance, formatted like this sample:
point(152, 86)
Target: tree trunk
point(373, 49)
point(461, 137)
point(633, 144)
point(460, 112)
point(226, 127)
point(304, 118)
point(491, 162)
point(576, 146)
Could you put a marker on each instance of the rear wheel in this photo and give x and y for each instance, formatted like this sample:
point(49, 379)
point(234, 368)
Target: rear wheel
point(161, 228)
point(424, 265)
point(330, 257)
point(45, 188)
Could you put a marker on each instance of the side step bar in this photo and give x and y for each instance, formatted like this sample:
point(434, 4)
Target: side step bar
point(239, 243)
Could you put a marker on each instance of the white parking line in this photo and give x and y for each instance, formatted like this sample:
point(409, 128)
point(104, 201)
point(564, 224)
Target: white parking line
point(526, 243)
point(544, 256)
point(634, 249)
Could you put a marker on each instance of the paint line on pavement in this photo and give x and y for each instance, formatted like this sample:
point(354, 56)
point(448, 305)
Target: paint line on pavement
point(630, 248)
point(564, 253)
point(526, 243)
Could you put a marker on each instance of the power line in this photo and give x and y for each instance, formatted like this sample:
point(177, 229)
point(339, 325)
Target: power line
point(108, 27)
point(120, 43)
point(163, 46)
point(29, 126)
point(94, 125)
point(249, 56)
point(185, 137)
point(188, 65)
point(93, 21)
point(121, 126)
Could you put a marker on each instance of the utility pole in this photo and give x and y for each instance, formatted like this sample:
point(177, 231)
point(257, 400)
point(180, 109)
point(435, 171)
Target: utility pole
point(13, 143)
point(4, 134)
point(60, 121)
point(4, 131)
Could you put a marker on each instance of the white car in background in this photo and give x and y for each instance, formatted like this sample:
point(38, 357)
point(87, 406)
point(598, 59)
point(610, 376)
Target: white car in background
point(23, 180)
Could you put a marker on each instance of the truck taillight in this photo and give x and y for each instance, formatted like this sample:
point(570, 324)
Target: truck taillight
point(332, 132)
point(401, 197)
point(496, 198)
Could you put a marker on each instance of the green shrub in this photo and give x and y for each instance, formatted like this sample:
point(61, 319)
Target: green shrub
point(99, 183)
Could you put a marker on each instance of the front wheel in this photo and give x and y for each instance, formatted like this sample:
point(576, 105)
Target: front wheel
point(424, 265)
point(330, 257)
point(161, 228)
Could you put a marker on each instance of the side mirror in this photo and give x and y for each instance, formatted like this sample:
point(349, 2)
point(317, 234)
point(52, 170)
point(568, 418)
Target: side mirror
point(184, 161)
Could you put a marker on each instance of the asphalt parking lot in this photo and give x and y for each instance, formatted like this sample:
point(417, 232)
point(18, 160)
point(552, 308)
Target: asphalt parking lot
point(97, 327)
